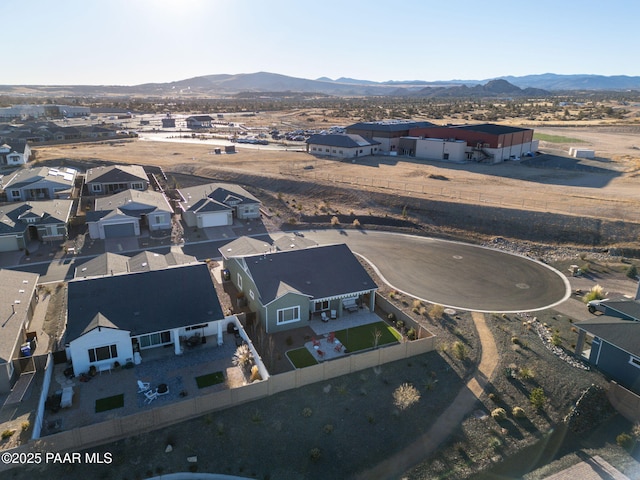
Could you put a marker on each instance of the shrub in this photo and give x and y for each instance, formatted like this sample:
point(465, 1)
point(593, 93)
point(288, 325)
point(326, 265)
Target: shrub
point(356, 223)
point(459, 350)
point(537, 398)
point(315, 454)
point(411, 334)
point(625, 440)
point(405, 395)
point(25, 426)
point(7, 433)
point(494, 397)
point(328, 428)
point(335, 221)
point(596, 293)
point(416, 303)
point(556, 340)
point(392, 316)
point(518, 412)
point(436, 311)
point(499, 413)
point(307, 412)
point(526, 373)
point(632, 272)
point(243, 356)
point(515, 340)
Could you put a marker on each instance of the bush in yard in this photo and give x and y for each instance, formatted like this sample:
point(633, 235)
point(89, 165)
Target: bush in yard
point(459, 350)
point(537, 398)
point(436, 311)
point(518, 412)
point(335, 221)
point(405, 395)
point(596, 293)
point(625, 441)
point(411, 334)
point(526, 373)
point(499, 413)
point(315, 454)
point(7, 433)
point(632, 272)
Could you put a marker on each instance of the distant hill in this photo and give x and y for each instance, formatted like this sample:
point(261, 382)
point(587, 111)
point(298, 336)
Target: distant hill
point(493, 88)
point(226, 85)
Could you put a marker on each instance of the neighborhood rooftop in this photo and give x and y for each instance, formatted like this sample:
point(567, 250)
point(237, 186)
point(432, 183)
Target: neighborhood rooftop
point(116, 174)
point(16, 290)
point(622, 333)
point(144, 302)
point(319, 272)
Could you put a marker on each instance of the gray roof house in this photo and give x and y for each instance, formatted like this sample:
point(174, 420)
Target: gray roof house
point(114, 264)
point(41, 183)
point(217, 204)
point(14, 153)
point(21, 223)
point(116, 178)
point(117, 318)
point(286, 288)
point(17, 304)
point(341, 145)
point(123, 214)
point(199, 121)
point(615, 348)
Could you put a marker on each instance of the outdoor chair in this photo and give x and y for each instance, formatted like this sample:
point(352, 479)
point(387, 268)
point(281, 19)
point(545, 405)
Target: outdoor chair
point(143, 386)
point(338, 347)
point(334, 314)
point(316, 343)
point(323, 317)
point(150, 396)
point(331, 338)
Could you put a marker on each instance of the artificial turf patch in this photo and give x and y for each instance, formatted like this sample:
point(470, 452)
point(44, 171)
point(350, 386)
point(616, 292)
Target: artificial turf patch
point(109, 403)
point(362, 337)
point(301, 357)
point(209, 379)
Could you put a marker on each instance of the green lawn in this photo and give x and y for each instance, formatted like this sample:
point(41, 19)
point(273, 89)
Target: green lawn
point(362, 337)
point(301, 357)
point(109, 403)
point(555, 138)
point(209, 379)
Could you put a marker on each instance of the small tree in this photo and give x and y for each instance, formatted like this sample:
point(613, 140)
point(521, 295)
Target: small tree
point(632, 272)
point(243, 357)
point(538, 398)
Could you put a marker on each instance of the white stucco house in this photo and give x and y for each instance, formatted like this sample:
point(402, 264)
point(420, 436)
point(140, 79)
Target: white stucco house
point(117, 318)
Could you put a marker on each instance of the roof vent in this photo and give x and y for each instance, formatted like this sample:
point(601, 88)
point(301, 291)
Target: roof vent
point(17, 302)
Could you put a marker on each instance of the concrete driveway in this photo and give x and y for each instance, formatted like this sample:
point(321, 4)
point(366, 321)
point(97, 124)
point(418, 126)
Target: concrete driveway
point(453, 274)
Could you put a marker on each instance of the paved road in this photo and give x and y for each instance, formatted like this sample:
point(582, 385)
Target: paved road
point(454, 274)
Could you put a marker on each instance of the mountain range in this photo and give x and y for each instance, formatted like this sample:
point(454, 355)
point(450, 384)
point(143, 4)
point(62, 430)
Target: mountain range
point(268, 84)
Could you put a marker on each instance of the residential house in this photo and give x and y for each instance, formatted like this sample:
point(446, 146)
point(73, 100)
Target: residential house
point(21, 223)
point(16, 153)
point(41, 183)
point(115, 178)
point(117, 318)
point(123, 214)
point(621, 308)
point(286, 288)
point(615, 348)
point(114, 264)
point(341, 145)
point(217, 204)
point(17, 305)
point(199, 121)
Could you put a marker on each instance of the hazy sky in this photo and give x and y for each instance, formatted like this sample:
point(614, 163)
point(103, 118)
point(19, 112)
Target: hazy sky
point(128, 42)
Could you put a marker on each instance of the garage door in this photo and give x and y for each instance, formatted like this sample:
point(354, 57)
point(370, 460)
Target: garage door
point(214, 219)
point(119, 230)
point(9, 244)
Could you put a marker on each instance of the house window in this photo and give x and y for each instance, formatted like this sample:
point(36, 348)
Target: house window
point(158, 219)
point(288, 315)
point(635, 361)
point(15, 193)
point(321, 305)
point(252, 295)
point(96, 188)
point(153, 339)
point(136, 186)
point(239, 281)
point(103, 353)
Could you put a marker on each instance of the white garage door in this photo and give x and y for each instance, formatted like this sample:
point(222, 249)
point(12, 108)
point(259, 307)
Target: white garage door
point(214, 219)
point(8, 244)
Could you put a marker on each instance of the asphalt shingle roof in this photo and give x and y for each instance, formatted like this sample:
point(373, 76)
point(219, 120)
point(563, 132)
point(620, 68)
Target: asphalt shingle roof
point(491, 128)
point(624, 334)
point(116, 174)
point(144, 302)
point(320, 272)
point(388, 126)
